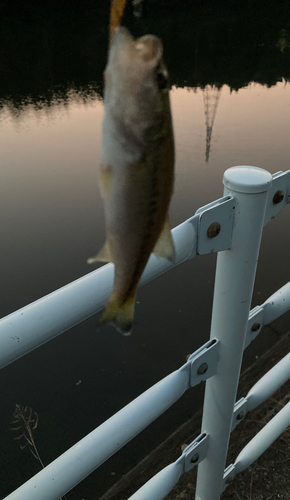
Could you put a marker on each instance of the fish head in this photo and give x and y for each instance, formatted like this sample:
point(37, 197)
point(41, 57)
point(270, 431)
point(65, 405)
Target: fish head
point(136, 79)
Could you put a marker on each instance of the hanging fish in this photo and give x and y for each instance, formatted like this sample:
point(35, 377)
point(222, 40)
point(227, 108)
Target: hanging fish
point(137, 167)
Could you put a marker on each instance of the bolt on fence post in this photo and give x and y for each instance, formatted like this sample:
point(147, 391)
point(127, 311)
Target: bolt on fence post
point(235, 274)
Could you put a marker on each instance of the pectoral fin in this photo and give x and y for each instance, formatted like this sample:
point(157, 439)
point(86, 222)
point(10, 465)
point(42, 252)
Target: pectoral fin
point(104, 255)
point(165, 246)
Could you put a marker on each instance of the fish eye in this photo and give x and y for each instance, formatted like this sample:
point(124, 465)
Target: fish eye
point(162, 79)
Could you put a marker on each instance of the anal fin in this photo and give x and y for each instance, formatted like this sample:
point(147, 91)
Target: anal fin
point(165, 246)
point(104, 255)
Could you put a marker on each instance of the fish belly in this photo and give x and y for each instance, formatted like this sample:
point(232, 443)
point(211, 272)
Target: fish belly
point(136, 200)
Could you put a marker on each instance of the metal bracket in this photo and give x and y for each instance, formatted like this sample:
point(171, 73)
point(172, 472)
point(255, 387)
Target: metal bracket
point(215, 225)
point(195, 452)
point(229, 475)
point(240, 410)
point(204, 363)
point(255, 324)
point(279, 195)
point(193, 221)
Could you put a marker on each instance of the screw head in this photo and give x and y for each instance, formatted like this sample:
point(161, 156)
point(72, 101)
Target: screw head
point(240, 415)
point(194, 458)
point(278, 197)
point(255, 327)
point(202, 368)
point(214, 229)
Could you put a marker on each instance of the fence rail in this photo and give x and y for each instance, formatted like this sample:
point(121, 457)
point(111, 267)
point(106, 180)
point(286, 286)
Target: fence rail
point(233, 226)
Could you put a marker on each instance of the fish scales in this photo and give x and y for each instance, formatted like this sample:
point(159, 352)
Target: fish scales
point(137, 167)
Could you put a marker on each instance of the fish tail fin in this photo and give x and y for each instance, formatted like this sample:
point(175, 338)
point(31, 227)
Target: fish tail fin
point(120, 314)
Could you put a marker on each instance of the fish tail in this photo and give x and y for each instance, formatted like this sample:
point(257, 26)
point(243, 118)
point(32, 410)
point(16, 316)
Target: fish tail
point(120, 314)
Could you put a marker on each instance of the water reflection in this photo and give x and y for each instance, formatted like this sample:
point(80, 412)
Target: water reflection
point(250, 127)
point(56, 103)
point(49, 53)
point(211, 97)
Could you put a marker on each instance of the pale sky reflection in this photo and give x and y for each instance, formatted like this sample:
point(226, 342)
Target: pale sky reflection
point(251, 127)
point(58, 147)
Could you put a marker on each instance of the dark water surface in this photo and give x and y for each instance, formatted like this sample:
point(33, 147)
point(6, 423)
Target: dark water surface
point(230, 72)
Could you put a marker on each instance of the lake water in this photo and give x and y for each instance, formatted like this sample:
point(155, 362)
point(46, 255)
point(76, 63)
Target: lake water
point(52, 221)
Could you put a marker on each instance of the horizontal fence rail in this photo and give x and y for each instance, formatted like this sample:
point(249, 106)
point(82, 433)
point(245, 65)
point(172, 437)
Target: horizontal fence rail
point(259, 444)
point(272, 309)
point(163, 482)
point(263, 389)
point(44, 319)
point(75, 464)
point(277, 304)
point(232, 226)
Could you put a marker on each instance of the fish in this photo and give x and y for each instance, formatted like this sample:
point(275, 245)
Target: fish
point(137, 167)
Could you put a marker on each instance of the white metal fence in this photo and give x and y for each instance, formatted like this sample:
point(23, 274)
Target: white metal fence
point(233, 227)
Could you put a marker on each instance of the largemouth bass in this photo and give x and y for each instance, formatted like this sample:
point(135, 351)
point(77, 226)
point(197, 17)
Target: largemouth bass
point(137, 167)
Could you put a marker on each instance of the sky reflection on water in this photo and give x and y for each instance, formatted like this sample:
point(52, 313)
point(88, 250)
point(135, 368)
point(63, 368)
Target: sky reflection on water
point(56, 148)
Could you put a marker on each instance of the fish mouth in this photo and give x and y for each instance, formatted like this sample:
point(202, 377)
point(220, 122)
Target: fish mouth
point(147, 48)
point(122, 35)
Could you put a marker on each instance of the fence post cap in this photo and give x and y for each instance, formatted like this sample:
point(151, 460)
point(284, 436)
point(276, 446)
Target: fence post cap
point(247, 179)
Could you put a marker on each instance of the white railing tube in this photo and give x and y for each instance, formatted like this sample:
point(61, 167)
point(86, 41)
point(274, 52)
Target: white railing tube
point(44, 319)
point(80, 460)
point(269, 384)
point(235, 275)
point(261, 442)
point(277, 304)
point(161, 484)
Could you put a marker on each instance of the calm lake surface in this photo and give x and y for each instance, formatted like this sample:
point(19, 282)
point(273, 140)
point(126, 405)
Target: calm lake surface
point(52, 220)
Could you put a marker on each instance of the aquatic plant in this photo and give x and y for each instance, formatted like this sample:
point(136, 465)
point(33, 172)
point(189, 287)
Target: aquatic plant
point(25, 420)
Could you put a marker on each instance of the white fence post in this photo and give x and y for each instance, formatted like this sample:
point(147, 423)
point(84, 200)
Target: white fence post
point(235, 274)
